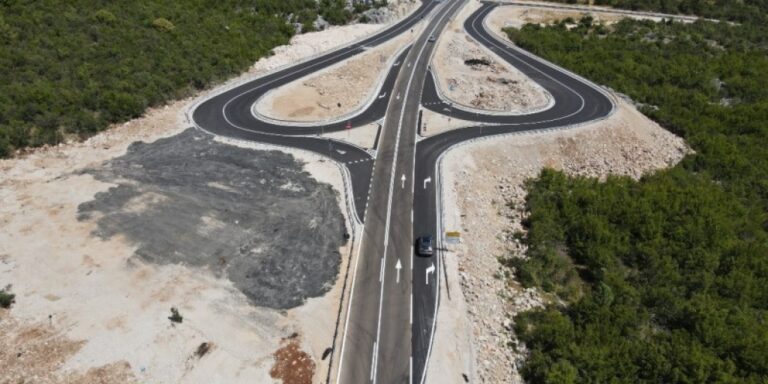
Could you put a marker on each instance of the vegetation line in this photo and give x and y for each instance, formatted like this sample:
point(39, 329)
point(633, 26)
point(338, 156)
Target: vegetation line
point(70, 69)
point(659, 280)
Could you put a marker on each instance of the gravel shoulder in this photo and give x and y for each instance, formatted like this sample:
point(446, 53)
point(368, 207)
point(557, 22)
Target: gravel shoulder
point(89, 310)
point(470, 75)
point(484, 199)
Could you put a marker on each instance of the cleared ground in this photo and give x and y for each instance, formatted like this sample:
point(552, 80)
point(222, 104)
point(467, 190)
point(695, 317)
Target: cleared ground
point(94, 294)
point(470, 75)
point(335, 91)
point(256, 218)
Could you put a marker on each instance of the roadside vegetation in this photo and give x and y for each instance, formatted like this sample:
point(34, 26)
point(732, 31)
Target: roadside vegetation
point(6, 297)
point(69, 69)
point(660, 280)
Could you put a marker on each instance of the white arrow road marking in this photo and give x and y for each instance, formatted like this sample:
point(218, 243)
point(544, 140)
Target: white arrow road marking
point(382, 95)
point(341, 152)
point(398, 95)
point(396, 64)
point(430, 269)
point(399, 266)
point(403, 180)
point(427, 180)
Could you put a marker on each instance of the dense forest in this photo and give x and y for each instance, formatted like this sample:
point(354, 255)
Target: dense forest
point(70, 68)
point(661, 280)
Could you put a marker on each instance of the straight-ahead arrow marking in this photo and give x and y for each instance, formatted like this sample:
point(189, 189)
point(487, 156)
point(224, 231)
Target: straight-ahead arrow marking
point(399, 266)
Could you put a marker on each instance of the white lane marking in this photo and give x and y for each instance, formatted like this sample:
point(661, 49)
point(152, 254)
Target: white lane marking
point(391, 187)
point(373, 358)
point(410, 318)
point(430, 269)
point(349, 304)
point(410, 369)
point(381, 271)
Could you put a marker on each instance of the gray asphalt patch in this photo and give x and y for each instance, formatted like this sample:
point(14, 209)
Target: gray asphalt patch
point(253, 216)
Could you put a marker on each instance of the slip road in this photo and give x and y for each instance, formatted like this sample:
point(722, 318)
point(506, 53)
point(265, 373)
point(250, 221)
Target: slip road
point(393, 301)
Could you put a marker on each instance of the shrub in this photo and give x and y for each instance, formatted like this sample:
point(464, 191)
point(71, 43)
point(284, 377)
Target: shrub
point(175, 316)
point(104, 16)
point(6, 298)
point(163, 24)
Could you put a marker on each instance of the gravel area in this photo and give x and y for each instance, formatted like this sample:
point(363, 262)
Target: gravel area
point(255, 217)
point(94, 311)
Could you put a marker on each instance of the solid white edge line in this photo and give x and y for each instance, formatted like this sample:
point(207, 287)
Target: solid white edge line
point(392, 181)
point(373, 359)
point(349, 307)
point(381, 271)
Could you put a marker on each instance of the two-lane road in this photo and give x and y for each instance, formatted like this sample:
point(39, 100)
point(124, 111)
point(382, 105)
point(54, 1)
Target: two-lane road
point(394, 297)
point(377, 336)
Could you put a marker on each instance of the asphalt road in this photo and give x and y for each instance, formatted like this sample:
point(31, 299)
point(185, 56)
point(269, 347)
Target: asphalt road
point(394, 296)
point(576, 101)
point(229, 113)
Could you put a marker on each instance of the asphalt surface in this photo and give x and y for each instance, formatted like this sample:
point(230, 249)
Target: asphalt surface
point(576, 101)
point(229, 113)
point(394, 295)
point(191, 200)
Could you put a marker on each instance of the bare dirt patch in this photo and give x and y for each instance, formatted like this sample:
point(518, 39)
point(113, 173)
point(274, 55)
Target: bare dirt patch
point(292, 365)
point(484, 199)
point(516, 16)
point(336, 91)
point(38, 351)
point(472, 76)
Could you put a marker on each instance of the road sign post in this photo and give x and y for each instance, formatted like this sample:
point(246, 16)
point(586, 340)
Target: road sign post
point(453, 237)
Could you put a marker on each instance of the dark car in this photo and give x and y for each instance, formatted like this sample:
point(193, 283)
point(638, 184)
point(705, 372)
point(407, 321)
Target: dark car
point(424, 246)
